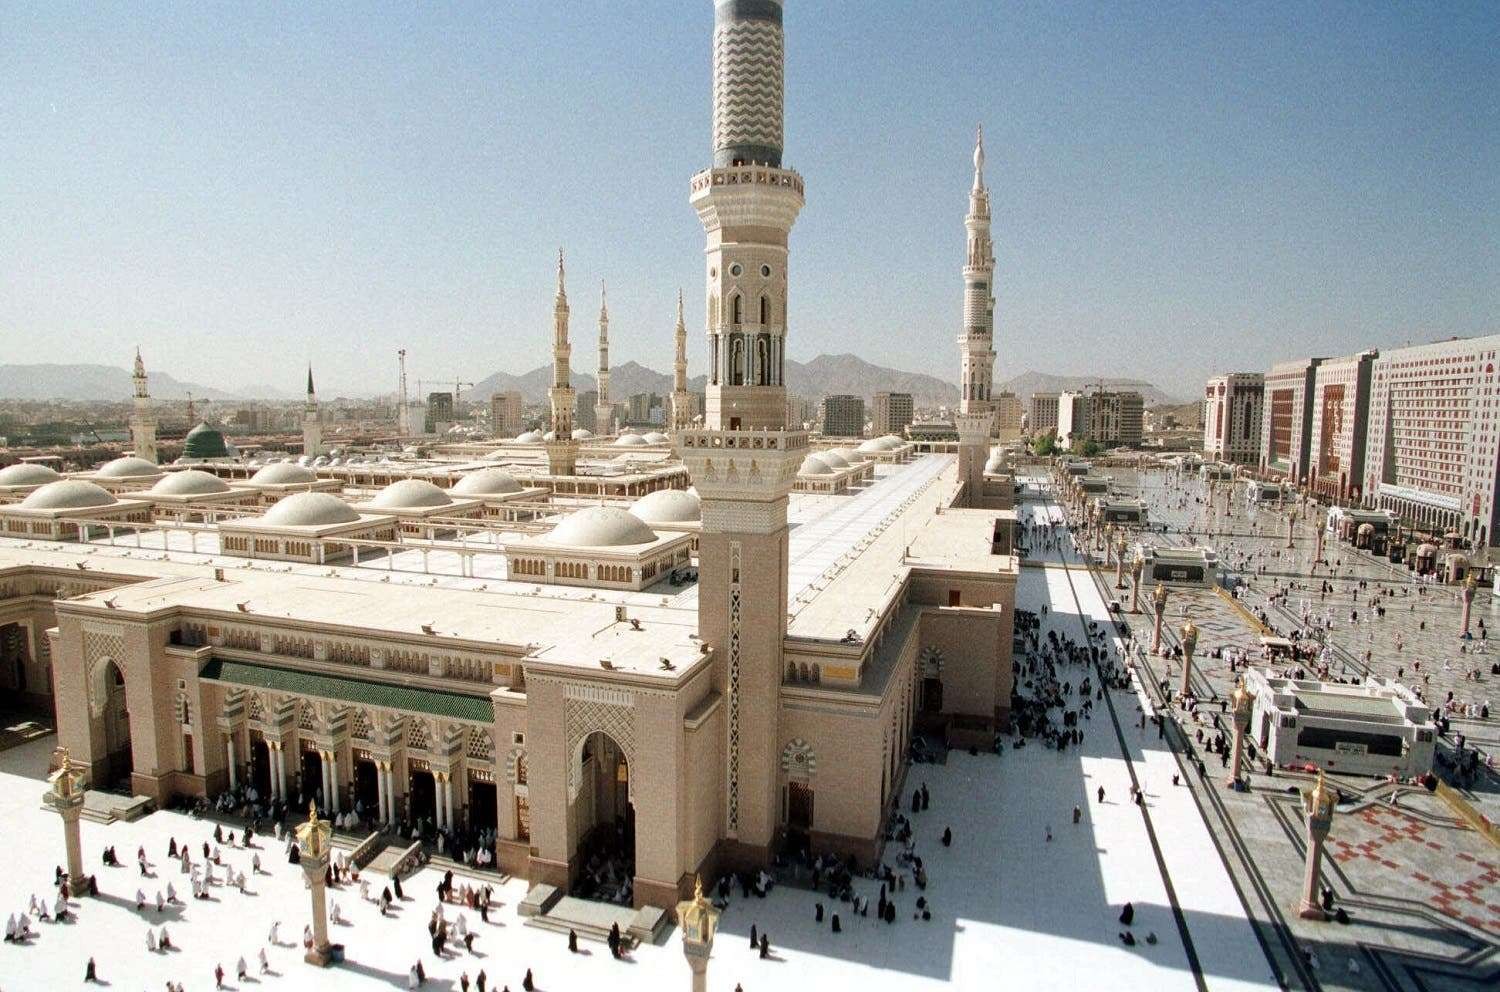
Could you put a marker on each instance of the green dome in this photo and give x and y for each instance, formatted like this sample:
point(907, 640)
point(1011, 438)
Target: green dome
point(204, 441)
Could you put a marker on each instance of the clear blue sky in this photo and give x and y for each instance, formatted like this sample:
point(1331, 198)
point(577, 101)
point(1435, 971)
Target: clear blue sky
point(1178, 188)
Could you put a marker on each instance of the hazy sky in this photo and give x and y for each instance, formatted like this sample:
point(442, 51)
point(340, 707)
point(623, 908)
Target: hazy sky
point(1177, 189)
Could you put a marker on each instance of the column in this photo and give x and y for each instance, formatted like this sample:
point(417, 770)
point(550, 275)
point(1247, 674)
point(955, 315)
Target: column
point(380, 790)
point(280, 772)
point(324, 767)
point(447, 801)
point(234, 773)
point(332, 763)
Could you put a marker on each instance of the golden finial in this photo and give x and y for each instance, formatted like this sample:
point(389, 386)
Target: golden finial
point(312, 811)
point(697, 888)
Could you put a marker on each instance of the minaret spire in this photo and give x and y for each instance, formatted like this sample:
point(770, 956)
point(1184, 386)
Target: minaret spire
point(682, 403)
point(312, 423)
point(603, 409)
point(562, 450)
point(142, 422)
point(976, 339)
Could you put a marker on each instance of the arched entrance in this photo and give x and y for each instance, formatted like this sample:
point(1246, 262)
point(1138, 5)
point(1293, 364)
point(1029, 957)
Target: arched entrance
point(421, 797)
point(116, 725)
point(260, 767)
point(366, 785)
point(604, 820)
point(312, 779)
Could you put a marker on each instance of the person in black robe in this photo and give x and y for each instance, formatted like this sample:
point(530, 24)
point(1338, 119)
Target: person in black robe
point(916, 801)
point(836, 927)
point(480, 980)
point(753, 938)
point(527, 983)
point(926, 799)
point(765, 947)
point(396, 881)
point(818, 913)
point(947, 836)
point(294, 856)
point(614, 940)
point(89, 974)
point(1127, 914)
point(573, 941)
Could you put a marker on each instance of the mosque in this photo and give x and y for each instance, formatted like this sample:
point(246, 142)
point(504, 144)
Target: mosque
point(707, 645)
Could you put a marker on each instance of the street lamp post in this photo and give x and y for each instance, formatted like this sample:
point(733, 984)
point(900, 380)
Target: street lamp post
point(1137, 564)
point(1241, 702)
point(1189, 634)
point(1159, 608)
point(66, 796)
point(1466, 592)
point(1317, 806)
point(312, 844)
point(698, 920)
point(1321, 526)
point(1291, 522)
point(1120, 545)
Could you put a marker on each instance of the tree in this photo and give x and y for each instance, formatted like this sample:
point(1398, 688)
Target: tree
point(1090, 449)
point(1044, 445)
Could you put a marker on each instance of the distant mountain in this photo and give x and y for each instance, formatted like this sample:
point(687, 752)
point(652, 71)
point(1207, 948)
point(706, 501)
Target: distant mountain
point(1027, 383)
point(92, 383)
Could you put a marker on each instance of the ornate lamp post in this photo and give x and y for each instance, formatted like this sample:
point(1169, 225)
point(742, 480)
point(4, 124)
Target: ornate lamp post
point(312, 844)
point(1241, 703)
point(1317, 805)
point(1137, 564)
point(1120, 545)
point(1189, 634)
point(1291, 522)
point(1159, 608)
point(66, 796)
point(1321, 525)
point(698, 920)
point(1466, 592)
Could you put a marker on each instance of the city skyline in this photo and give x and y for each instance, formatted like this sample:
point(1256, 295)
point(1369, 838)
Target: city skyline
point(389, 183)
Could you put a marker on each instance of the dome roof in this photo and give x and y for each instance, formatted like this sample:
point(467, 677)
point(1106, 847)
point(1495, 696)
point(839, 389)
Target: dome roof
point(601, 527)
point(410, 494)
point(190, 483)
point(550, 436)
point(129, 467)
point(668, 506)
point(27, 474)
point(630, 441)
point(68, 494)
point(871, 447)
point(529, 437)
point(849, 455)
point(889, 442)
point(283, 474)
point(487, 482)
point(834, 459)
point(996, 463)
point(204, 441)
point(582, 433)
point(310, 510)
point(815, 465)
point(656, 437)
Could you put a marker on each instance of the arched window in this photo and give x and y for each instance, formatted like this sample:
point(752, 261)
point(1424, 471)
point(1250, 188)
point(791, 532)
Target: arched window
point(762, 361)
point(765, 311)
point(734, 309)
point(737, 357)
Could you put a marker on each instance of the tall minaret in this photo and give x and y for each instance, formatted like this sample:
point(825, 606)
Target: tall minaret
point(682, 402)
point(142, 422)
point(562, 450)
point(312, 426)
point(743, 460)
point(603, 410)
point(747, 204)
point(976, 343)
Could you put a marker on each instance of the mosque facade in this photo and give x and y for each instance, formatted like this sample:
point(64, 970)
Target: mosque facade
point(672, 680)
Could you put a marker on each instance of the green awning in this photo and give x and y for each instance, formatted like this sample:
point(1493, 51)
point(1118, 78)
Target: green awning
point(457, 705)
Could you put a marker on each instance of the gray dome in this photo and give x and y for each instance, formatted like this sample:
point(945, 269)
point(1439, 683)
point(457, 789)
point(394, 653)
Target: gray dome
point(835, 460)
point(27, 474)
point(630, 441)
point(410, 494)
point(668, 506)
point(601, 527)
point(582, 433)
point(889, 442)
point(487, 482)
point(284, 474)
point(310, 510)
point(814, 465)
point(849, 455)
point(128, 467)
point(550, 436)
point(68, 494)
point(656, 437)
point(529, 437)
point(193, 482)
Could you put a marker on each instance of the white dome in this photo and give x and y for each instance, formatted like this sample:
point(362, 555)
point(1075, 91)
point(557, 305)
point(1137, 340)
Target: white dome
point(487, 482)
point(890, 442)
point(68, 494)
point(529, 437)
point(815, 465)
point(871, 447)
point(995, 464)
point(310, 510)
point(582, 433)
point(601, 527)
point(630, 441)
point(849, 455)
point(410, 494)
point(283, 474)
point(129, 467)
point(190, 483)
point(668, 506)
point(27, 474)
point(834, 459)
point(550, 436)
point(656, 437)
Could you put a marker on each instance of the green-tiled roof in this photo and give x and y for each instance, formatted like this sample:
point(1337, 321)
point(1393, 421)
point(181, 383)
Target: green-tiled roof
point(384, 694)
point(204, 442)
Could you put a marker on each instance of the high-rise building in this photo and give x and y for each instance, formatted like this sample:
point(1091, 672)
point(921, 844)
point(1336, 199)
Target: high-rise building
point(1117, 419)
point(644, 408)
point(562, 450)
point(312, 424)
point(1286, 419)
point(439, 413)
point(1008, 414)
point(842, 415)
point(587, 413)
point(1043, 413)
point(507, 413)
point(1340, 421)
point(142, 420)
point(891, 413)
point(1433, 444)
point(1073, 421)
point(1233, 408)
